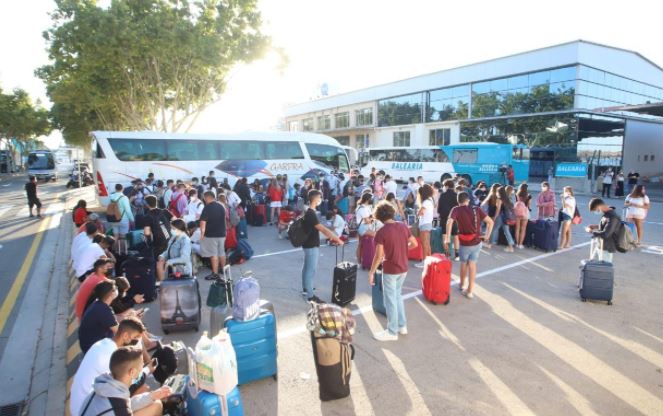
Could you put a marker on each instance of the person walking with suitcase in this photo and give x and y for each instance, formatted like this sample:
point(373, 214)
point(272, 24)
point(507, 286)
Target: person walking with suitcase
point(393, 241)
point(469, 220)
point(448, 200)
point(606, 229)
point(426, 213)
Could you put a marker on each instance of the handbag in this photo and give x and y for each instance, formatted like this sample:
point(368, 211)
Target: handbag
point(577, 219)
point(220, 293)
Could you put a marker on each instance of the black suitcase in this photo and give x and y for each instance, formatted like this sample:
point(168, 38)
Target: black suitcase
point(333, 365)
point(545, 234)
point(597, 277)
point(179, 304)
point(345, 281)
point(140, 272)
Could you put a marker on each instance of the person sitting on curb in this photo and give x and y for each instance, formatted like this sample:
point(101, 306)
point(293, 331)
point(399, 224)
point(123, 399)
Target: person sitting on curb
point(110, 392)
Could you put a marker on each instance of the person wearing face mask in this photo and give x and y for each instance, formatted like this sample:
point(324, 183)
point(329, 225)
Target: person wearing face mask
point(98, 320)
point(110, 393)
point(178, 252)
point(194, 208)
point(96, 361)
point(545, 202)
point(607, 229)
point(101, 271)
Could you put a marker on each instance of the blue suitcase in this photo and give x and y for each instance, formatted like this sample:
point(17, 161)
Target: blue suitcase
point(255, 347)
point(545, 234)
point(378, 294)
point(203, 403)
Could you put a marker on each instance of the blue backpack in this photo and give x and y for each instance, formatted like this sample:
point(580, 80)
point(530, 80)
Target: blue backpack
point(246, 301)
point(241, 253)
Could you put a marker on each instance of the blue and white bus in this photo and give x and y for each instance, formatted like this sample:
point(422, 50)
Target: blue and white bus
point(473, 161)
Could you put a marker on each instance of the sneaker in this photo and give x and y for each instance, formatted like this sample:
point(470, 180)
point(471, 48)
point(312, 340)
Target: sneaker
point(315, 299)
point(419, 265)
point(457, 258)
point(468, 295)
point(522, 247)
point(509, 249)
point(32, 216)
point(402, 331)
point(212, 276)
point(487, 245)
point(385, 336)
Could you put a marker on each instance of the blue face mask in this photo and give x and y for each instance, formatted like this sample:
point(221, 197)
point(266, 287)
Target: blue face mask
point(597, 212)
point(137, 379)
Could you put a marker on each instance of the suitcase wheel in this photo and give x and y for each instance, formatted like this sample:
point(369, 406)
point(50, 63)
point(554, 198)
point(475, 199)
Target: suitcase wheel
point(166, 332)
point(447, 301)
point(609, 302)
point(583, 299)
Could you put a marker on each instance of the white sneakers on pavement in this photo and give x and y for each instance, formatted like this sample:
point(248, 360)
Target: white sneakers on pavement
point(386, 336)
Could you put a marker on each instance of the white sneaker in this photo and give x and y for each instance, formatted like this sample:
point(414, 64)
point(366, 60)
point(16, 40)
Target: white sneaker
point(385, 336)
point(468, 295)
point(419, 265)
point(403, 331)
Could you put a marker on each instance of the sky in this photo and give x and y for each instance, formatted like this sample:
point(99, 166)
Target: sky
point(352, 44)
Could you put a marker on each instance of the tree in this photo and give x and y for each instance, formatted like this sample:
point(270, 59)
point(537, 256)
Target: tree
point(144, 64)
point(20, 120)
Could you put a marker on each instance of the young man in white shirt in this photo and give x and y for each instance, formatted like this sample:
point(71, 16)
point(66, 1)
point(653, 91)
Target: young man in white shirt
point(390, 185)
point(194, 208)
point(82, 240)
point(85, 261)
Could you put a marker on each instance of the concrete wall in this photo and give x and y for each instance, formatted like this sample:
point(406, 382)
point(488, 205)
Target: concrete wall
point(643, 139)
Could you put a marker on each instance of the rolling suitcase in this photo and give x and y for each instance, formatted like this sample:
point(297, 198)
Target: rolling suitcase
point(436, 279)
point(416, 253)
point(333, 365)
point(141, 276)
point(367, 251)
point(597, 277)
point(220, 301)
point(377, 294)
point(259, 215)
point(545, 234)
point(529, 233)
point(202, 403)
point(344, 285)
point(436, 240)
point(255, 347)
point(179, 302)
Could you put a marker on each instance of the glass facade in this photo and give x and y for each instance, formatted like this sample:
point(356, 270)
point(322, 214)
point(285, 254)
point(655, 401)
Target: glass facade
point(536, 92)
point(342, 120)
point(364, 117)
point(324, 122)
point(564, 137)
point(397, 111)
point(401, 138)
point(448, 103)
point(343, 140)
point(597, 89)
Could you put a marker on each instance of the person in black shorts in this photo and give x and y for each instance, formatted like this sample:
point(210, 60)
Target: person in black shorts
point(31, 191)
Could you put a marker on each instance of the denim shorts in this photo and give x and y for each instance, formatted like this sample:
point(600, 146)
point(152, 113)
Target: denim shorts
point(426, 227)
point(469, 253)
point(565, 216)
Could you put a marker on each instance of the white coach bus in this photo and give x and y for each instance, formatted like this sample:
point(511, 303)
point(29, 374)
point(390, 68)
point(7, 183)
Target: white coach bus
point(402, 163)
point(121, 157)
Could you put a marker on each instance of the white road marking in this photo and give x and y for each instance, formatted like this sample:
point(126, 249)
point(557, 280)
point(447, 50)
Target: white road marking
point(360, 310)
point(24, 212)
point(4, 210)
point(653, 250)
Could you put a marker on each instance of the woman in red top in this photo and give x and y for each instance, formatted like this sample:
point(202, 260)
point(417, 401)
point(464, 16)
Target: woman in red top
point(275, 193)
point(87, 287)
point(80, 213)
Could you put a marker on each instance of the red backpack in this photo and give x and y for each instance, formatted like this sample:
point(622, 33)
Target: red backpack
point(172, 206)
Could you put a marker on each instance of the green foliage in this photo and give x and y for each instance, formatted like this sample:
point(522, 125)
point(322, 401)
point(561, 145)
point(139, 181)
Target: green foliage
point(20, 119)
point(144, 64)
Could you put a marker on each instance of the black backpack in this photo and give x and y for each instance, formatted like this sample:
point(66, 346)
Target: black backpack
point(297, 232)
point(161, 233)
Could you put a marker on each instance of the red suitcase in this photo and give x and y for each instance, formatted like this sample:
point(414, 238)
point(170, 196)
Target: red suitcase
point(367, 252)
point(436, 279)
point(416, 253)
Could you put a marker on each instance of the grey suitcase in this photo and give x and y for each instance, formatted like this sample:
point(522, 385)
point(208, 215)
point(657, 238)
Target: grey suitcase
point(597, 277)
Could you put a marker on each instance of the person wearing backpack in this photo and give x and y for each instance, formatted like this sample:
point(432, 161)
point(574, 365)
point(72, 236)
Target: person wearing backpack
point(156, 226)
point(521, 210)
point(119, 213)
point(607, 229)
point(179, 201)
point(311, 246)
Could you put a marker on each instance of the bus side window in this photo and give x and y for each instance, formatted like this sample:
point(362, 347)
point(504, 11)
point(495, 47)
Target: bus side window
point(465, 156)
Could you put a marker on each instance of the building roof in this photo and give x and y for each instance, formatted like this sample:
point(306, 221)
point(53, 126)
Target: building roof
point(619, 61)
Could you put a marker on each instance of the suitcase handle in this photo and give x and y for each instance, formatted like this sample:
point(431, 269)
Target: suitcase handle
point(342, 253)
point(596, 247)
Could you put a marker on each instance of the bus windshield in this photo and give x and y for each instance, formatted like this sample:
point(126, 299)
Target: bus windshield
point(41, 161)
point(331, 156)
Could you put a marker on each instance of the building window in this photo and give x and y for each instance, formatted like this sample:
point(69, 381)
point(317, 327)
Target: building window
point(439, 137)
point(342, 120)
point(307, 124)
point(361, 141)
point(597, 89)
point(398, 111)
point(343, 140)
point(293, 126)
point(364, 117)
point(401, 138)
point(646, 158)
point(324, 122)
point(651, 158)
point(448, 103)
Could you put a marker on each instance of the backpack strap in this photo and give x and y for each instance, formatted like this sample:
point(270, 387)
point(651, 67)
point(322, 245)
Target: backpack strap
point(88, 403)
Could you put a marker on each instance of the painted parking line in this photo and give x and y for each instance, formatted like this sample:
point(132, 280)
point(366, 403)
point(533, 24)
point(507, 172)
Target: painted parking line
point(293, 250)
point(362, 309)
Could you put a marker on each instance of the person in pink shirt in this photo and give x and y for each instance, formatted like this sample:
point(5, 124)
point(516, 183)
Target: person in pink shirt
point(545, 203)
point(100, 267)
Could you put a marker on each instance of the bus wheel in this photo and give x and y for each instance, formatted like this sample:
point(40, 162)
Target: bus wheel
point(445, 177)
point(467, 178)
